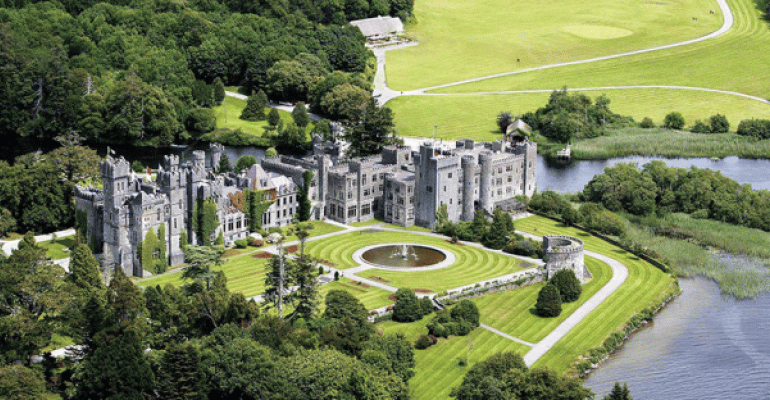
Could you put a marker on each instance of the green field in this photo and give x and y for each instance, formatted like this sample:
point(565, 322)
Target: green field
point(473, 116)
point(643, 287)
point(467, 39)
point(437, 370)
point(56, 250)
point(730, 62)
point(511, 311)
point(229, 112)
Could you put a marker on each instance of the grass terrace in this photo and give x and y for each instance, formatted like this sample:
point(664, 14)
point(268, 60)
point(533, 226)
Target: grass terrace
point(228, 114)
point(512, 311)
point(644, 286)
point(371, 297)
point(491, 36)
point(472, 265)
point(438, 370)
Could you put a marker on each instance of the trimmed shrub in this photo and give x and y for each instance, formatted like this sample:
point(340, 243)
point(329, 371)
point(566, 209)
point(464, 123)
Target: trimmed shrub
point(646, 123)
point(466, 310)
point(568, 285)
point(700, 127)
point(407, 307)
point(241, 244)
point(548, 301)
point(719, 123)
point(674, 120)
point(423, 342)
point(759, 128)
point(336, 275)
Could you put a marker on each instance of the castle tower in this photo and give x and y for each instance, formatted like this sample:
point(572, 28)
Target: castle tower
point(530, 169)
point(322, 162)
point(469, 172)
point(564, 252)
point(215, 155)
point(485, 184)
point(117, 248)
point(172, 184)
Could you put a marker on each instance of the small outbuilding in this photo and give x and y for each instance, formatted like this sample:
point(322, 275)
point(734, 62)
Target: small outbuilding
point(379, 27)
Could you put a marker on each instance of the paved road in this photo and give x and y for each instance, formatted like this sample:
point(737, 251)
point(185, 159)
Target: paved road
point(619, 275)
point(505, 335)
point(599, 88)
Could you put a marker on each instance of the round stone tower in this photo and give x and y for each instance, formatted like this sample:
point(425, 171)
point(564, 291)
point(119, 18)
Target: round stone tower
point(485, 186)
point(560, 252)
point(468, 163)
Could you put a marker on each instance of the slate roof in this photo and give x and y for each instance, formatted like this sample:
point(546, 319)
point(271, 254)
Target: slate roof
point(378, 26)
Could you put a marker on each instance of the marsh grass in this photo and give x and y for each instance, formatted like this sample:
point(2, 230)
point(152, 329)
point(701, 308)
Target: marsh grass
point(669, 143)
point(741, 272)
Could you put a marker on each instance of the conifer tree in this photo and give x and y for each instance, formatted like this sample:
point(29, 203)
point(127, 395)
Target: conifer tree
point(183, 239)
point(299, 115)
point(304, 199)
point(619, 392)
point(161, 263)
point(568, 285)
point(224, 164)
point(219, 91)
point(147, 249)
point(180, 376)
point(255, 107)
point(220, 240)
point(84, 270)
point(273, 118)
point(548, 301)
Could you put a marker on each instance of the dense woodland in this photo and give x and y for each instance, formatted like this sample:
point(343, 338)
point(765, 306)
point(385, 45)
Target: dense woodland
point(144, 71)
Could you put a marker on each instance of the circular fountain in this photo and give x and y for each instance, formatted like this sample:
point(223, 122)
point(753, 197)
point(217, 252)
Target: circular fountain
point(404, 256)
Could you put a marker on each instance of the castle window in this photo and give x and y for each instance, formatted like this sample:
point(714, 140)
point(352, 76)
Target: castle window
point(365, 209)
point(374, 178)
point(238, 224)
point(449, 176)
point(351, 211)
point(508, 168)
point(445, 188)
point(230, 225)
point(429, 189)
point(500, 170)
point(450, 201)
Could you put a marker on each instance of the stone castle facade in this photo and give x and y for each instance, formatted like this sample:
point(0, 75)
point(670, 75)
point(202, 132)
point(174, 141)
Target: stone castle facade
point(406, 188)
point(120, 215)
point(398, 185)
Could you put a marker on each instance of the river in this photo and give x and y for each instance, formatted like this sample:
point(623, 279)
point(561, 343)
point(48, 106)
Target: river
point(573, 176)
point(701, 346)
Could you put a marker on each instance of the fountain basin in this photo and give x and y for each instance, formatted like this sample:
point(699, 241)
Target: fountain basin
point(404, 257)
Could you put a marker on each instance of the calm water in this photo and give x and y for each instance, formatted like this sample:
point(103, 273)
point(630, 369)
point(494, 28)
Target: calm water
point(701, 346)
point(397, 256)
point(574, 176)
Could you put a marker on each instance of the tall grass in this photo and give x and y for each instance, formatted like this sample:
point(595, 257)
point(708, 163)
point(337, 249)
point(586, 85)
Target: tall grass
point(739, 274)
point(669, 143)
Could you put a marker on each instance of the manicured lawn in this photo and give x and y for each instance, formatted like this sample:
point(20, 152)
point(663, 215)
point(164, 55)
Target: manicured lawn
point(229, 112)
point(732, 62)
point(511, 311)
point(473, 116)
point(371, 297)
point(437, 370)
point(473, 264)
point(645, 284)
point(56, 250)
point(319, 228)
point(466, 39)
point(245, 274)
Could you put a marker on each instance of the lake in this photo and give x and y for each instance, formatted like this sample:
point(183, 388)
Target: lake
point(701, 346)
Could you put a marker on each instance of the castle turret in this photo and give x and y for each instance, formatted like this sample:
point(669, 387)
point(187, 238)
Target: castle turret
point(215, 155)
point(117, 248)
point(469, 172)
point(485, 187)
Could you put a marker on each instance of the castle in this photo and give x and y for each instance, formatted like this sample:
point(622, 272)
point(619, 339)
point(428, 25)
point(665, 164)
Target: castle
point(398, 185)
point(564, 252)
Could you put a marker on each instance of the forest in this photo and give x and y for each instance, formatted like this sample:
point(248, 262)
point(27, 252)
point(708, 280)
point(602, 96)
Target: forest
point(142, 72)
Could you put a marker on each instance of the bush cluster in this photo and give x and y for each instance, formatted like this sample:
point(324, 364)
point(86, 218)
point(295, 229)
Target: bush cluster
point(522, 246)
point(568, 285)
point(425, 341)
point(241, 243)
point(758, 128)
point(567, 116)
point(548, 301)
point(463, 318)
point(409, 308)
